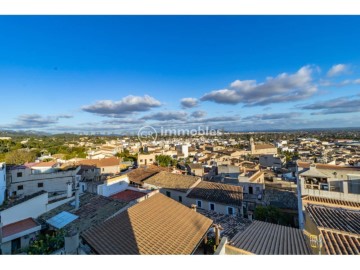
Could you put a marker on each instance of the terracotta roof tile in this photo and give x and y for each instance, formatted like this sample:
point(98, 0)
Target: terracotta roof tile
point(140, 174)
point(336, 243)
point(264, 146)
point(264, 238)
point(44, 164)
point(105, 162)
point(20, 226)
point(172, 181)
point(128, 195)
point(216, 192)
point(156, 226)
point(335, 218)
point(330, 202)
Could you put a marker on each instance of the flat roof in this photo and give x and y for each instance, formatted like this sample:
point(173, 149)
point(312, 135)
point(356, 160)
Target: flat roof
point(93, 210)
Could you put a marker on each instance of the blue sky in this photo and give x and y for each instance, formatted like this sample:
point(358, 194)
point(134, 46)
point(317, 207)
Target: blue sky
point(118, 73)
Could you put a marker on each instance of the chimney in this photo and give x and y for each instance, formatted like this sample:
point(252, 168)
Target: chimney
point(77, 200)
point(193, 207)
point(217, 229)
point(69, 189)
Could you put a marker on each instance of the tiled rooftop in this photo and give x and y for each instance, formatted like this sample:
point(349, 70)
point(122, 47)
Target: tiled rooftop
point(105, 162)
point(172, 181)
point(231, 225)
point(264, 238)
point(220, 193)
point(128, 195)
point(335, 218)
point(330, 202)
point(336, 243)
point(20, 226)
point(156, 226)
point(140, 174)
point(93, 210)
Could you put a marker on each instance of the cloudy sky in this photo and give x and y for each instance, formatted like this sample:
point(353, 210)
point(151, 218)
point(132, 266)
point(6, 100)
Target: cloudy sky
point(119, 73)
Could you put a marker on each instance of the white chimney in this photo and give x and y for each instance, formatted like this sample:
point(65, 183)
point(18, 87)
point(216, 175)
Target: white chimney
point(69, 189)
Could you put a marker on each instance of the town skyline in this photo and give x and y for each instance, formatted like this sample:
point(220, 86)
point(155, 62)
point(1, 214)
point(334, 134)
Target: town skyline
point(178, 71)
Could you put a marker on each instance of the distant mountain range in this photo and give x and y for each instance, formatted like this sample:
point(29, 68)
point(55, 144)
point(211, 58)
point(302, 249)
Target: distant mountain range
point(18, 133)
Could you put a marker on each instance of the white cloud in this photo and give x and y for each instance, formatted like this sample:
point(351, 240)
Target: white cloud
point(189, 102)
point(166, 116)
point(338, 69)
point(123, 107)
point(283, 88)
point(199, 114)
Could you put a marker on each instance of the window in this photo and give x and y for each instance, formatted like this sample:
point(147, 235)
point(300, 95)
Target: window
point(19, 174)
point(103, 169)
point(199, 204)
point(231, 211)
point(141, 160)
point(40, 185)
point(180, 199)
point(212, 206)
point(150, 160)
point(21, 187)
point(168, 193)
point(257, 190)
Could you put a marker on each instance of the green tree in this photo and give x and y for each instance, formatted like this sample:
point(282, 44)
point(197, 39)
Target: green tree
point(165, 161)
point(19, 157)
point(47, 243)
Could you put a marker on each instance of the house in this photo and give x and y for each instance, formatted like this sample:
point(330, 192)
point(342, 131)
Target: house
point(271, 161)
point(107, 166)
point(175, 186)
point(228, 171)
point(195, 169)
point(262, 149)
point(183, 149)
point(262, 238)
point(27, 179)
point(2, 182)
point(329, 181)
point(139, 175)
point(89, 173)
point(18, 222)
point(78, 215)
point(146, 159)
point(112, 186)
point(220, 198)
point(18, 235)
point(156, 226)
point(253, 183)
point(336, 230)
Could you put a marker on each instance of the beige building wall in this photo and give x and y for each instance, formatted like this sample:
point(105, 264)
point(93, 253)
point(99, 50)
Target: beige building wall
point(146, 159)
point(29, 183)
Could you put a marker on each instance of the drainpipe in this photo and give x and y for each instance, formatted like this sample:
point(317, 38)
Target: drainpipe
point(300, 205)
point(77, 200)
